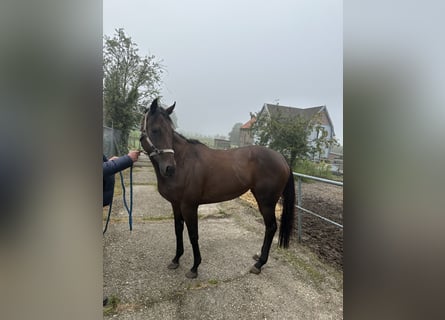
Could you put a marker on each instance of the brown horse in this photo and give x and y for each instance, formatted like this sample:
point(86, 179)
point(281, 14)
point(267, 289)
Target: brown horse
point(189, 174)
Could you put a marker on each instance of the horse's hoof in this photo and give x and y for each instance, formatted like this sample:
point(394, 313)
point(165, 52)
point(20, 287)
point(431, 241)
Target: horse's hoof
point(191, 275)
point(256, 257)
point(173, 265)
point(255, 270)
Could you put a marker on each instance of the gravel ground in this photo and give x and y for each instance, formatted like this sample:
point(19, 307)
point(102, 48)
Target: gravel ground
point(294, 284)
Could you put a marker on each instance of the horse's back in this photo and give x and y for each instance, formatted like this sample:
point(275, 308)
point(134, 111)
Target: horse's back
point(263, 165)
point(268, 159)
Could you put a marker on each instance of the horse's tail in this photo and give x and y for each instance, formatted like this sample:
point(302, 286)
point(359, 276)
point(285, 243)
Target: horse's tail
point(288, 216)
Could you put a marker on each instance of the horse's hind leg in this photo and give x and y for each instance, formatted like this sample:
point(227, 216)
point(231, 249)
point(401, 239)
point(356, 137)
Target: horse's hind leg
point(179, 228)
point(268, 212)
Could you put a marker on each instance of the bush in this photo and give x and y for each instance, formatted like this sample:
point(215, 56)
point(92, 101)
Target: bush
point(320, 169)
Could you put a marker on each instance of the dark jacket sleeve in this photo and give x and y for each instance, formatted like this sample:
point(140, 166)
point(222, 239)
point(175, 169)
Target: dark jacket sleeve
point(111, 167)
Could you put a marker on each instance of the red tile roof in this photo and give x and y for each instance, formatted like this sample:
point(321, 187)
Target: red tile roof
point(249, 123)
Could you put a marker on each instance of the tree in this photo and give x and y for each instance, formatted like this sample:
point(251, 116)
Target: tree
point(130, 83)
point(289, 136)
point(321, 141)
point(234, 135)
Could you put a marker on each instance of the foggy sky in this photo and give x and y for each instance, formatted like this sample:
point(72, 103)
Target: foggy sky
point(225, 59)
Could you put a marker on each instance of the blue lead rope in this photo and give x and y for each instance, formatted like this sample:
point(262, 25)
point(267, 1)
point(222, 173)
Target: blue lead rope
point(129, 210)
point(108, 219)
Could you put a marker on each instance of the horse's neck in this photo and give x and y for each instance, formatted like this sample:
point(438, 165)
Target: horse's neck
point(182, 146)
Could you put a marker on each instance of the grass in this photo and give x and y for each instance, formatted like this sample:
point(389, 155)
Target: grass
point(197, 284)
point(111, 307)
point(158, 218)
point(310, 268)
point(218, 215)
point(125, 219)
point(315, 276)
point(115, 306)
point(321, 170)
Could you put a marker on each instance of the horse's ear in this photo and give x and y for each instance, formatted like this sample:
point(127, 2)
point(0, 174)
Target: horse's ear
point(154, 105)
point(171, 108)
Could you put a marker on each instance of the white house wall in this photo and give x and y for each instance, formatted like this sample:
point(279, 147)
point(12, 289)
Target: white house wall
point(313, 136)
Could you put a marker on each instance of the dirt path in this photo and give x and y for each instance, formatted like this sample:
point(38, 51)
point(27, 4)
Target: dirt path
point(294, 284)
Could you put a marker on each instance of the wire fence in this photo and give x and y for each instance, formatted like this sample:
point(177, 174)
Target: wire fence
point(299, 205)
point(110, 141)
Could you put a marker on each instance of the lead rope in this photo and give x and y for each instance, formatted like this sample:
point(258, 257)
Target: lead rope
point(108, 218)
point(129, 210)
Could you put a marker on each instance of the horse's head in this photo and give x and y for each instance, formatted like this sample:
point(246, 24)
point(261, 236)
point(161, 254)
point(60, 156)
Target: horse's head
point(157, 137)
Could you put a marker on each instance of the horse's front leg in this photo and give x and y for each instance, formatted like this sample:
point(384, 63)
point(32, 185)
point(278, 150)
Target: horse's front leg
point(191, 220)
point(179, 228)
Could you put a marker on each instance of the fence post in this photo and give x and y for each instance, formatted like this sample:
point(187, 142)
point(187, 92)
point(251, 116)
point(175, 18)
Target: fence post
point(299, 211)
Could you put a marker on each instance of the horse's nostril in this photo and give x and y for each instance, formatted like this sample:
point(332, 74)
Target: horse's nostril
point(170, 170)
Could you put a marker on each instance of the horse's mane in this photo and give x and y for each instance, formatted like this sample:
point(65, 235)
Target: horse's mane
point(191, 141)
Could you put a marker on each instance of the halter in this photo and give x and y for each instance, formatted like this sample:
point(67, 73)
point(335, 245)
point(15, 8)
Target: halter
point(144, 134)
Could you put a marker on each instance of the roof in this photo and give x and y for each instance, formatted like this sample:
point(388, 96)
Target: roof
point(285, 111)
point(249, 123)
point(290, 112)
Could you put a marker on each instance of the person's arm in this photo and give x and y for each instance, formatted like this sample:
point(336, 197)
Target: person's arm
point(117, 164)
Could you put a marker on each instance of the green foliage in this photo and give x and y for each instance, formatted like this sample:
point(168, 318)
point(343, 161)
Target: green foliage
point(321, 169)
point(322, 139)
point(130, 83)
point(133, 140)
point(112, 305)
point(285, 135)
point(289, 135)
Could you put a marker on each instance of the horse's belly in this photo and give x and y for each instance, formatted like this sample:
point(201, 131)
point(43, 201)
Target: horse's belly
point(213, 196)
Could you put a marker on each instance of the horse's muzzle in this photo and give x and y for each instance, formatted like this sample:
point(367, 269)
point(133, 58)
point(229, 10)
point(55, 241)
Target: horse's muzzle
point(166, 163)
point(170, 171)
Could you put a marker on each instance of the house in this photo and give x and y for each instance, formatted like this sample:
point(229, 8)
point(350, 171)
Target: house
point(221, 144)
point(310, 114)
point(245, 135)
point(335, 159)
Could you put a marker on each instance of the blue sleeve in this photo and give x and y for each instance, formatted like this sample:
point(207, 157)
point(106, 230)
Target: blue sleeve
point(111, 167)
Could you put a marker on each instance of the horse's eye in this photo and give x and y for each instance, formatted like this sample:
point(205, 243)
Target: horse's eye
point(154, 131)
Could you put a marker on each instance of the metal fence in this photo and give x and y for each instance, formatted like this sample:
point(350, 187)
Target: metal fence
point(110, 140)
point(300, 202)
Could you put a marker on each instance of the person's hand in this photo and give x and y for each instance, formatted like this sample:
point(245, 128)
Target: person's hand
point(134, 155)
